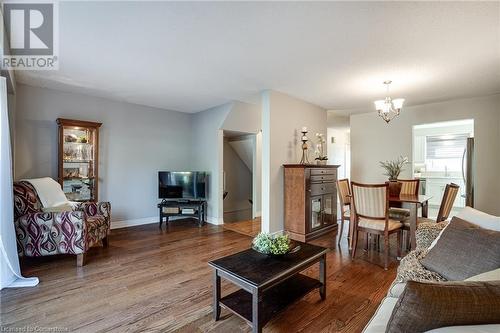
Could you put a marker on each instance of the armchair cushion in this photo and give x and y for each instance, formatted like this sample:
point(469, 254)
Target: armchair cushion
point(41, 234)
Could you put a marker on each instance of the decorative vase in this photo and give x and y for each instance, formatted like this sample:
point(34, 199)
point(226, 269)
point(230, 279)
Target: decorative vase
point(321, 162)
point(394, 188)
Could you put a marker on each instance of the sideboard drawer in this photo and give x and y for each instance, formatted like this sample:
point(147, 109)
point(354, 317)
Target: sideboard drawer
point(318, 189)
point(323, 171)
point(323, 179)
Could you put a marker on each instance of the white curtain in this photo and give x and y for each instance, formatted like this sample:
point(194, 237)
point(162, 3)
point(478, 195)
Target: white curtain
point(10, 272)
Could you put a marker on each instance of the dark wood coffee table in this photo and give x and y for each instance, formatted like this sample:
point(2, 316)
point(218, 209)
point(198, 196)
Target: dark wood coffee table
point(268, 284)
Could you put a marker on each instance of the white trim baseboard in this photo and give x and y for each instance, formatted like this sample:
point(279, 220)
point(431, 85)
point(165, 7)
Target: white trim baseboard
point(154, 219)
point(214, 220)
point(133, 222)
point(278, 233)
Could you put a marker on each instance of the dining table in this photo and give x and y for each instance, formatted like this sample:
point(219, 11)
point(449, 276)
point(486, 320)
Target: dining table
point(412, 202)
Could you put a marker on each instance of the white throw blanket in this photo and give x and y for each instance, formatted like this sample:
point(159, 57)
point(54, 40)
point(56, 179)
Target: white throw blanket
point(50, 193)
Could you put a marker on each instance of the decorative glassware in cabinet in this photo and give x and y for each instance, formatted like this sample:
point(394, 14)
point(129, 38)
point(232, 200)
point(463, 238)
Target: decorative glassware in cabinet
point(78, 161)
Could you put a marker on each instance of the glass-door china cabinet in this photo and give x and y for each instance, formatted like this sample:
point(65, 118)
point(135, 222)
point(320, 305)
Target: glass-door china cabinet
point(78, 159)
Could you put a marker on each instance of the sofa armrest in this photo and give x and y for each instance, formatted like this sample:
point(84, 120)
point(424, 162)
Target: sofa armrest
point(95, 208)
point(44, 233)
point(427, 232)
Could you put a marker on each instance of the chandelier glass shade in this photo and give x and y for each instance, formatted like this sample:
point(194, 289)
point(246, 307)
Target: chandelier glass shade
point(389, 108)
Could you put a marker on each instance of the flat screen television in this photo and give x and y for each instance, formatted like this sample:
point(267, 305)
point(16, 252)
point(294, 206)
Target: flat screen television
point(182, 184)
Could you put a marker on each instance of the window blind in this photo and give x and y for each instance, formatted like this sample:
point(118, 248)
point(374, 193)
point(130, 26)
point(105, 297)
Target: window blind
point(446, 146)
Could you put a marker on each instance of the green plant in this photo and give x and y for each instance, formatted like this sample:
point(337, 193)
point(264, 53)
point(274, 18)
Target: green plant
point(394, 168)
point(269, 244)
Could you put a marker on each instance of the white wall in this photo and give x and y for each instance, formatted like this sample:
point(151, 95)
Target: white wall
point(282, 118)
point(257, 176)
point(373, 140)
point(238, 184)
point(339, 150)
point(135, 143)
point(208, 127)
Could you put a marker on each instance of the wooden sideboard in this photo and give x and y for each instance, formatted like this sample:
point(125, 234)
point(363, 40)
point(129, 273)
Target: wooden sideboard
point(310, 200)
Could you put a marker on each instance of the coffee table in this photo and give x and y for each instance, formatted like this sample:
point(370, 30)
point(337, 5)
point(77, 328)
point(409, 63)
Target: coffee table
point(268, 283)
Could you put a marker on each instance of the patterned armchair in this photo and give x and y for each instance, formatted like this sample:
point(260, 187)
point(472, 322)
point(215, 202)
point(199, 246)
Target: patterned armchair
point(42, 233)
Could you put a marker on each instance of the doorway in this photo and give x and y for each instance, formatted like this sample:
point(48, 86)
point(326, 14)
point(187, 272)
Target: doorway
point(440, 157)
point(241, 182)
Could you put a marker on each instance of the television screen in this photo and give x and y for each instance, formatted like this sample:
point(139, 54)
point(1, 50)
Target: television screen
point(182, 184)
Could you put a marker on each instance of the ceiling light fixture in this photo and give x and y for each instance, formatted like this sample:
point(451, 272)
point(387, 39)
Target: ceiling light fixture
point(389, 108)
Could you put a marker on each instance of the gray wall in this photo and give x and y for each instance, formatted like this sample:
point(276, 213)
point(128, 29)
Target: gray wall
point(372, 140)
point(207, 154)
point(135, 142)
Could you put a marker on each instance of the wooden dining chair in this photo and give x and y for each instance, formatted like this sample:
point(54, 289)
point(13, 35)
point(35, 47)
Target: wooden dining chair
point(408, 187)
point(449, 196)
point(370, 204)
point(344, 192)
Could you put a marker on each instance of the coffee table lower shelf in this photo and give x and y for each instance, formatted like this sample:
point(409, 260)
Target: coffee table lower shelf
point(274, 300)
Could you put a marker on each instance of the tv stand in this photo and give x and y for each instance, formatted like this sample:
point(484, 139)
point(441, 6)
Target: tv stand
point(174, 207)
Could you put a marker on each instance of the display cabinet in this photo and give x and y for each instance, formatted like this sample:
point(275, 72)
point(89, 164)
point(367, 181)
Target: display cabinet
point(79, 159)
point(310, 196)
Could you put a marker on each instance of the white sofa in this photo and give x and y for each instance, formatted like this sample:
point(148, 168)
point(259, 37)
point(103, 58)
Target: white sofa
point(380, 319)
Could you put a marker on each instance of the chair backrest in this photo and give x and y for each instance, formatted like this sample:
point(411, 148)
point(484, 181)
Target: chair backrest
point(371, 200)
point(409, 186)
point(25, 199)
point(344, 191)
point(450, 193)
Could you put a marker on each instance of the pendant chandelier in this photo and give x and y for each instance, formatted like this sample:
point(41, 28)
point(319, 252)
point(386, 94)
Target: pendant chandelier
point(389, 108)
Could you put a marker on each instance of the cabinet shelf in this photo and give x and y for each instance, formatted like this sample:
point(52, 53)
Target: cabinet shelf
point(77, 159)
point(78, 143)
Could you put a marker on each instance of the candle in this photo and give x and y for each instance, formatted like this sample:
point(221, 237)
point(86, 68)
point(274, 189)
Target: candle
point(304, 129)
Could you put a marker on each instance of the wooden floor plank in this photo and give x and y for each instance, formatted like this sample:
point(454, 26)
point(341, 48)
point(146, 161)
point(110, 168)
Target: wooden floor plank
point(149, 280)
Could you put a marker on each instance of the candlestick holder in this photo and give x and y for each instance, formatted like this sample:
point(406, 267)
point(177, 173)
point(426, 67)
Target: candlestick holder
point(304, 159)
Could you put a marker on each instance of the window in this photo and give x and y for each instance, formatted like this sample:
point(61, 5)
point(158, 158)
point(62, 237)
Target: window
point(445, 146)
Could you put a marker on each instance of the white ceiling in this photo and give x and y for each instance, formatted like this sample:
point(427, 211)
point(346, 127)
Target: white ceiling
point(192, 56)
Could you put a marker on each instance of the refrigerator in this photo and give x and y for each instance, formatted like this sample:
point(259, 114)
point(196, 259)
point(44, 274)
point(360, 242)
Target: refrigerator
point(468, 172)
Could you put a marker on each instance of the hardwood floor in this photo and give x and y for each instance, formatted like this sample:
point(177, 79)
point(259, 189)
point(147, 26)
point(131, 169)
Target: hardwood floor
point(250, 228)
point(149, 280)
